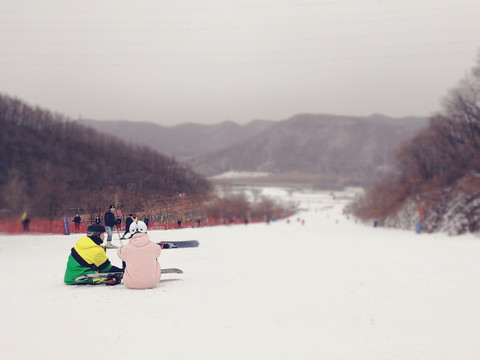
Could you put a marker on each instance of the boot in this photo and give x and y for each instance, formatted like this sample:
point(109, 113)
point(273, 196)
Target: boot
point(110, 245)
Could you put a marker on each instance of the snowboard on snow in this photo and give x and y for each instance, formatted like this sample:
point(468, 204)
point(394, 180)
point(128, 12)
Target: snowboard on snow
point(179, 244)
point(172, 244)
point(119, 275)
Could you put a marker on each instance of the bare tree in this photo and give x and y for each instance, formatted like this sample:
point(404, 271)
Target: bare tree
point(442, 155)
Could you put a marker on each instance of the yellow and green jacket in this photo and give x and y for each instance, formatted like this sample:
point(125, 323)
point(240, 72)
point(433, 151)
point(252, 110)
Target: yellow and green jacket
point(86, 257)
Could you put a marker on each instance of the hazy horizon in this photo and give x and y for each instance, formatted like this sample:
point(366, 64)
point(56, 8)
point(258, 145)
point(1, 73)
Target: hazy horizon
point(235, 60)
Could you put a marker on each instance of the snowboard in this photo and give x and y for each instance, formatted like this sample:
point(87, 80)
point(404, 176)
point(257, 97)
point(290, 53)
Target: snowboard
point(66, 225)
point(179, 244)
point(113, 275)
point(172, 244)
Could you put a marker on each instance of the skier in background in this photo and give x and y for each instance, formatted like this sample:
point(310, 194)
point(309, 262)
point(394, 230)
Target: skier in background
point(110, 222)
point(25, 222)
point(77, 220)
point(89, 257)
point(128, 222)
point(142, 270)
point(119, 219)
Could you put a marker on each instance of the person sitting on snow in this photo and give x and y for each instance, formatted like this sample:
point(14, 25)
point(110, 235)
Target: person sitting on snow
point(142, 270)
point(89, 257)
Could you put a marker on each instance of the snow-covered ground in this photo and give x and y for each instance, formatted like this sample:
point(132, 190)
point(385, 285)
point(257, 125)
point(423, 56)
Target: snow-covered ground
point(240, 174)
point(328, 289)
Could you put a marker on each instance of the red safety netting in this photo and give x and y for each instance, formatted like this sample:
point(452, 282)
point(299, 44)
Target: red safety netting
point(41, 226)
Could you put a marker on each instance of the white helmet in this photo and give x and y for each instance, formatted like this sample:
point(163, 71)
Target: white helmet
point(137, 226)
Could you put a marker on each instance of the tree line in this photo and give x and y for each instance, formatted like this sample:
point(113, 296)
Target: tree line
point(441, 158)
point(52, 166)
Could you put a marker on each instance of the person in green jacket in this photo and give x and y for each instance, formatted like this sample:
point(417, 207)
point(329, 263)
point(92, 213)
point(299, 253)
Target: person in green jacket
point(88, 256)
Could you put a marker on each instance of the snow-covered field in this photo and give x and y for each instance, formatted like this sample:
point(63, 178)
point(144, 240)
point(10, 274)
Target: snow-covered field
point(329, 289)
point(240, 174)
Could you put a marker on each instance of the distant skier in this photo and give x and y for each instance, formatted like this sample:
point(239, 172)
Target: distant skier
point(142, 270)
point(77, 220)
point(89, 257)
point(110, 222)
point(128, 222)
point(25, 222)
point(119, 222)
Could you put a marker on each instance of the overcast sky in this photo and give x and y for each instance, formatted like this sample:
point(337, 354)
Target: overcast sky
point(207, 61)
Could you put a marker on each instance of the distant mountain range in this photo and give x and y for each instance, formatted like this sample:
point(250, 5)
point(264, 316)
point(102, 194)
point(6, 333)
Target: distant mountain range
point(356, 150)
point(184, 141)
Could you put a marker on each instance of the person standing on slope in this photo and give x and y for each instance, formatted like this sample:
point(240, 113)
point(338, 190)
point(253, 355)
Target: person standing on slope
point(89, 257)
point(110, 222)
point(128, 222)
point(77, 220)
point(142, 270)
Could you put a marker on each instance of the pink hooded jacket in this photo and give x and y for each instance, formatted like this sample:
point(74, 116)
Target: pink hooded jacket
point(140, 254)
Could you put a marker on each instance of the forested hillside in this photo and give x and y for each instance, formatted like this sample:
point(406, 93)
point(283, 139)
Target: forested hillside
point(438, 181)
point(51, 166)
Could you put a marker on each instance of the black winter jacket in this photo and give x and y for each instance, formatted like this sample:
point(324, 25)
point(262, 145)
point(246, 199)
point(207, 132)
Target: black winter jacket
point(110, 219)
